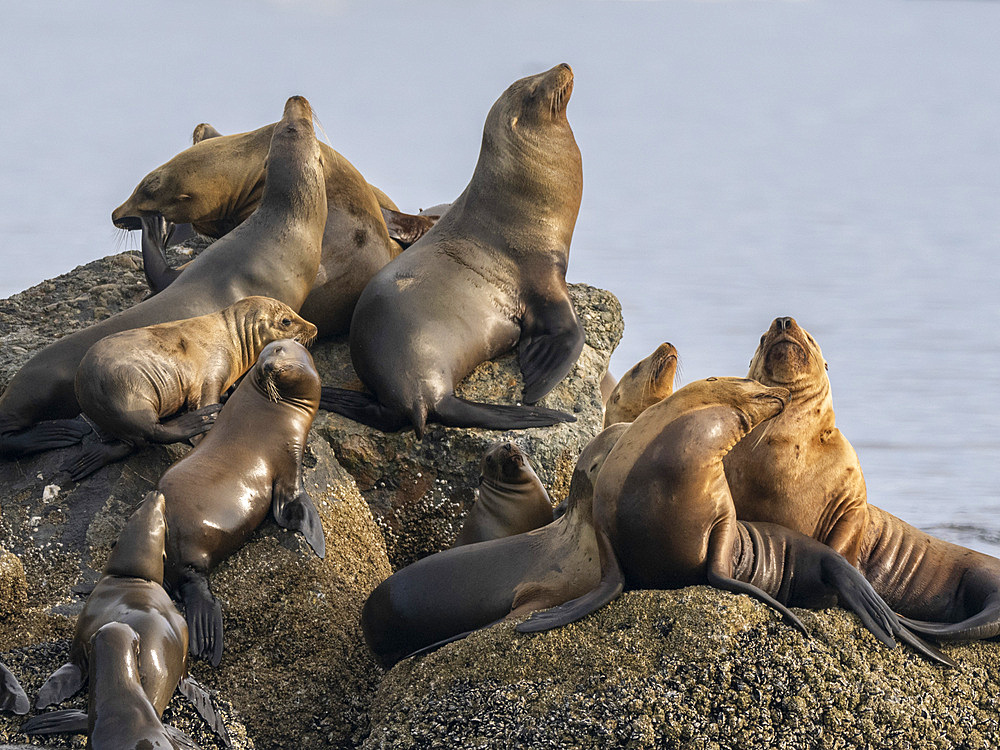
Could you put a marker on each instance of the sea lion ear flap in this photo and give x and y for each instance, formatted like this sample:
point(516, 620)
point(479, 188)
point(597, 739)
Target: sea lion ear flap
point(203, 132)
point(299, 514)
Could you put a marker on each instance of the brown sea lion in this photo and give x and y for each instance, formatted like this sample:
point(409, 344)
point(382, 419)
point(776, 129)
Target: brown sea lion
point(511, 498)
point(130, 644)
point(608, 383)
point(445, 596)
point(491, 274)
point(129, 381)
point(248, 463)
point(802, 472)
point(646, 383)
point(217, 183)
point(12, 697)
point(662, 499)
point(275, 253)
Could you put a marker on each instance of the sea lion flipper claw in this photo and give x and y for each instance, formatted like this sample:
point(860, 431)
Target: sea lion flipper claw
point(299, 514)
point(12, 696)
point(65, 721)
point(551, 341)
point(62, 683)
point(192, 690)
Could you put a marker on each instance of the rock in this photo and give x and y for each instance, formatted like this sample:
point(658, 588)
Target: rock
point(694, 667)
point(13, 584)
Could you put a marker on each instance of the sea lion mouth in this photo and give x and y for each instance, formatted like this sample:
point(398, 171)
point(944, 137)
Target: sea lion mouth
point(560, 97)
point(128, 223)
point(662, 363)
point(785, 357)
point(306, 339)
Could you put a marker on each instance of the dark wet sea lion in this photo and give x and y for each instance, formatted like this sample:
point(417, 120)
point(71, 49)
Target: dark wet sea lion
point(12, 697)
point(646, 383)
point(275, 254)
point(130, 644)
point(217, 183)
point(804, 474)
point(248, 463)
point(662, 499)
point(129, 381)
point(511, 498)
point(447, 595)
point(491, 274)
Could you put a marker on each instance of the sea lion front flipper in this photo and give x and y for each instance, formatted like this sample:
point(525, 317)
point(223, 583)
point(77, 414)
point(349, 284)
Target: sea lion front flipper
point(204, 617)
point(179, 234)
point(407, 228)
point(65, 721)
point(96, 456)
point(610, 587)
point(62, 683)
point(453, 411)
point(984, 624)
point(551, 341)
point(299, 514)
point(155, 236)
point(12, 696)
point(187, 425)
point(44, 436)
point(192, 690)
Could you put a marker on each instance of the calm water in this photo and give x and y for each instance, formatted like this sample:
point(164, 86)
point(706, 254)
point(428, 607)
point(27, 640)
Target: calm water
point(834, 160)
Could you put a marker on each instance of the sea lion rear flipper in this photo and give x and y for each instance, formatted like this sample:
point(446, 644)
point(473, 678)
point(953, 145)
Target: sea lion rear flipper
point(95, 456)
point(406, 228)
point(62, 683)
point(453, 411)
point(610, 587)
point(445, 641)
point(361, 407)
point(204, 617)
point(202, 702)
point(44, 436)
point(12, 696)
point(181, 740)
point(982, 625)
point(551, 341)
point(202, 132)
point(299, 514)
point(155, 236)
point(65, 721)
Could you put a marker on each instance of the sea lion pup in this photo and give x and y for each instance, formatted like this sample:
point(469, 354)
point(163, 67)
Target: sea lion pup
point(662, 499)
point(491, 274)
point(511, 498)
point(129, 381)
point(248, 463)
point(798, 470)
point(646, 383)
point(12, 697)
point(275, 253)
point(217, 183)
point(445, 596)
point(130, 644)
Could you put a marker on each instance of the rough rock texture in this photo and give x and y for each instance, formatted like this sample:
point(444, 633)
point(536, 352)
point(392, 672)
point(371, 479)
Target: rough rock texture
point(693, 668)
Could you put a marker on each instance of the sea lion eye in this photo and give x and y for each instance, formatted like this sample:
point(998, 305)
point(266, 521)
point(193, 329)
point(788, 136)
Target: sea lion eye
point(285, 322)
point(183, 197)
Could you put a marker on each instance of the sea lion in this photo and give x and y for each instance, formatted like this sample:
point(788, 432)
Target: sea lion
point(275, 253)
point(12, 697)
point(608, 383)
point(217, 183)
point(491, 274)
point(249, 462)
point(130, 644)
point(129, 381)
point(662, 500)
point(445, 596)
point(646, 383)
point(511, 498)
point(803, 473)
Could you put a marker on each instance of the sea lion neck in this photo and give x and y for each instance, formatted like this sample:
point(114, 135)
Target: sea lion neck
point(139, 550)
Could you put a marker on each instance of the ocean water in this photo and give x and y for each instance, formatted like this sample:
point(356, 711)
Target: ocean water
point(833, 160)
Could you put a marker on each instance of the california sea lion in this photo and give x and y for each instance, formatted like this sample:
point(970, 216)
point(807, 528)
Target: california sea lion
point(447, 595)
point(130, 644)
point(646, 383)
point(217, 183)
point(249, 462)
point(129, 381)
point(511, 498)
point(275, 253)
point(662, 499)
point(803, 473)
point(490, 274)
point(12, 697)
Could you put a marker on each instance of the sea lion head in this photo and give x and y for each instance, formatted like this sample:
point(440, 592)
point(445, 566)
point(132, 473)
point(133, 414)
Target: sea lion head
point(295, 178)
point(646, 383)
point(139, 551)
point(266, 320)
point(285, 372)
point(754, 402)
point(535, 101)
point(505, 462)
point(787, 355)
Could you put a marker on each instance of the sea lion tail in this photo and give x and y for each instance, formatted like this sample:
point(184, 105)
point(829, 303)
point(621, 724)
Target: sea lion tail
point(12, 695)
point(453, 411)
point(65, 721)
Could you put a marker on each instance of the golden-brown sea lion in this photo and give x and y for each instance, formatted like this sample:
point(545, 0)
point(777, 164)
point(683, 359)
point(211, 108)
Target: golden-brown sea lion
point(662, 499)
point(511, 498)
point(129, 381)
point(275, 254)
point(447, 595)
point(646, 383)
point(130, 644)
point(491, 274)
point(217, 183)
point(12, 697)
point(248, 463)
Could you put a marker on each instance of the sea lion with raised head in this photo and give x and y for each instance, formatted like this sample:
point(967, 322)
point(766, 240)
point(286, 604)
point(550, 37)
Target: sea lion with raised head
point(491, 274)
point(511, 498)
point(445, 596)
point(275, 253)
point(129, 381)
point(217, 183)
point(248, 463)
point(646, 383)
point(130, 645)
